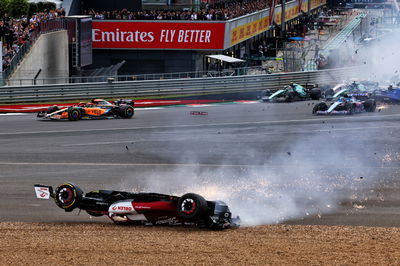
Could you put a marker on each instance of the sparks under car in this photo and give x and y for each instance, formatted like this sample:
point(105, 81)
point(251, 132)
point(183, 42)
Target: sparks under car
point(96, 109)
point(142, 208)
point(345, 106)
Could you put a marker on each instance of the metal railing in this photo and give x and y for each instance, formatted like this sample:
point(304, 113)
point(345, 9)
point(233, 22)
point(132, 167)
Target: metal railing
point(171, 87)
point(157, 76)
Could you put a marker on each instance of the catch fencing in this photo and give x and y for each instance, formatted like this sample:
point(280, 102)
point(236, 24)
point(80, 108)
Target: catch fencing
point(189, 86)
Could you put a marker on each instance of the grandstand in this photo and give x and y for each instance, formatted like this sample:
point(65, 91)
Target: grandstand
point(149, 38)
point(171, 44)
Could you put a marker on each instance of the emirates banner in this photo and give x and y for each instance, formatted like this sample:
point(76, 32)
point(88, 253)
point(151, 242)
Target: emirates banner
point(158, 35)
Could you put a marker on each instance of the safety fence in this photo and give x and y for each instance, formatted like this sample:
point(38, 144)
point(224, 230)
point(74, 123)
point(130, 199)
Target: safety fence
point(254, 70)
point(188, 86)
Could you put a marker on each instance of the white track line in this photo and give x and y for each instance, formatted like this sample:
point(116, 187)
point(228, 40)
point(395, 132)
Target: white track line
point(8, 114)
point(249, 134)
point(100, 143)
point(246, 134)
point(202, 125)
point(186, 165)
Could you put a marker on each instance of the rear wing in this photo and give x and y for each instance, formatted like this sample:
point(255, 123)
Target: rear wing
point(125, 101)
point(43, 192)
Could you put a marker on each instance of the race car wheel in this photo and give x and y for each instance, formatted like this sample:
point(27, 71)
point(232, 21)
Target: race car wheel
point(350, 108)
point(266, 93)
point(320, 107)
point(329, 93)
point(192, 207)
point(68, 196)
point(52, 109)
point(315, 94)
point(370, 105)
point(74, 114)
point(126, 111)
point(290, 96)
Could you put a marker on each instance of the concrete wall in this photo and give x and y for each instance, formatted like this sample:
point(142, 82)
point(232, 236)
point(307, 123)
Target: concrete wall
point(49, 55)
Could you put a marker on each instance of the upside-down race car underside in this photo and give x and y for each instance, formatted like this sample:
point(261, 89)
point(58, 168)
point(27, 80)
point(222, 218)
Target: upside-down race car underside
point(142, 208)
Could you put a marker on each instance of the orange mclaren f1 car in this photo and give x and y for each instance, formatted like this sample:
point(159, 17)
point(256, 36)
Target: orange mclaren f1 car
point(96, 109)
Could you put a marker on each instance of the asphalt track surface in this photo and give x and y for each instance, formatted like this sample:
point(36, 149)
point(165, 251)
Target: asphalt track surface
point(336, 170)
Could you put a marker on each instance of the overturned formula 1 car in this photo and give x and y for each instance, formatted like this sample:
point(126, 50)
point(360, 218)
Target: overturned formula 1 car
point(96, 109)
point(345, 106)
point(142, 208)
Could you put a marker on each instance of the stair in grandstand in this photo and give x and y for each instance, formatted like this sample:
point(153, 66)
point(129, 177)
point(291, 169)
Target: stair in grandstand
point(341, 37)
point(336, 41)
point(99, 74)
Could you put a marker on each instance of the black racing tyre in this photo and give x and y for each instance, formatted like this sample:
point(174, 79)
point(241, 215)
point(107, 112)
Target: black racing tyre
point(192, 207)
point(68, 196)
point(266, 93)
point(289, 97)
point(52, 109)
point(315, 94)
point(370, 105)
point(126, 111)
point(322, 106)
point(350, 108)
point(74, 114)
point(329, 93)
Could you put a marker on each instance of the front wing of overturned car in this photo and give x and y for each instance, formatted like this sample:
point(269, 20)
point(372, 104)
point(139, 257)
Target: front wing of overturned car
point(142, 208)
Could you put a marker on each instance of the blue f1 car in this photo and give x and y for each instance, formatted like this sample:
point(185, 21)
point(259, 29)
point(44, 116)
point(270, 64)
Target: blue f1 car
point(391, 95)
point(345, 106)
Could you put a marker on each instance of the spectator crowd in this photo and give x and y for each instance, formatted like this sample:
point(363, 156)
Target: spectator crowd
point(14, 33)
point(223, 10)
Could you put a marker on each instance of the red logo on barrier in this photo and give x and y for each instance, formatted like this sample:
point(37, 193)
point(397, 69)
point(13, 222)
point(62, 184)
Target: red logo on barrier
point(198, 113)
